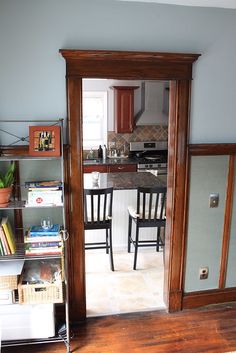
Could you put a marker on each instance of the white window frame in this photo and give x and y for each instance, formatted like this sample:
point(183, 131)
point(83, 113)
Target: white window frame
point(88, 144)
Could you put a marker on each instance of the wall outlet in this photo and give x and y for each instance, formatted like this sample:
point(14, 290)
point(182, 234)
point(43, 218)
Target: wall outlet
point(214, 200)
point(203, 272)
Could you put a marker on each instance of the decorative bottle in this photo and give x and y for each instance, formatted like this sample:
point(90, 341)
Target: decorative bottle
point(104, 152)
point(100, 152)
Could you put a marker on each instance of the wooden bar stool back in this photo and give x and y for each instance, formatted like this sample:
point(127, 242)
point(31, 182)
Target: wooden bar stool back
point(98, 215)
point(149, 212)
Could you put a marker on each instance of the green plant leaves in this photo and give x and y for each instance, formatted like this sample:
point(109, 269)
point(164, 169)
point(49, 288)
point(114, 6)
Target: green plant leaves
point(7, 179)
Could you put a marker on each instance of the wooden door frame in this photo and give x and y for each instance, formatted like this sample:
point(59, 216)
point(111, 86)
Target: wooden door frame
point(176, 68)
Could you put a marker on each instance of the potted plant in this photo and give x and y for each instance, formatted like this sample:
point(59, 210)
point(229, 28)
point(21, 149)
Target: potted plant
point(6, 182)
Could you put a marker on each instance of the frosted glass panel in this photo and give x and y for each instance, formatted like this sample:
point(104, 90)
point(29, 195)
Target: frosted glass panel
point(231, 268)
point(205, 227)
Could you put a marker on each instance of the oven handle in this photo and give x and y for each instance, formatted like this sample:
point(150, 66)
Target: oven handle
point(153, 171)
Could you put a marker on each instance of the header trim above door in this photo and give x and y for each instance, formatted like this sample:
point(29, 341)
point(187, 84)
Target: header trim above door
point(162, 66)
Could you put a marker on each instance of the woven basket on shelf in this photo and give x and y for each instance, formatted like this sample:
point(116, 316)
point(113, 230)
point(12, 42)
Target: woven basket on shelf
point(8, 282)
point(40, 293)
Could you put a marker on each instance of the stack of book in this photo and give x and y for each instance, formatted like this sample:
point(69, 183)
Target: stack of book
point(7, 238)
point(44, 193)
point(41, 241)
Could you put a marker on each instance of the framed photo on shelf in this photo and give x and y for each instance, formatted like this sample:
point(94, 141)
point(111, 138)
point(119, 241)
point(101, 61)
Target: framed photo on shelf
point(44, 141)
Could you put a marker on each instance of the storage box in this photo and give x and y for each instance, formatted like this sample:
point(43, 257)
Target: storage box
point(40, 293)
point(8, 282)
point(27, 321)
point(6, 297)
point(45, 198)
point(9, 271)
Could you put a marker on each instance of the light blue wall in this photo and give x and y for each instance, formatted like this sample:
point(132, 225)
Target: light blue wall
point(205, 225)
point(32, 71)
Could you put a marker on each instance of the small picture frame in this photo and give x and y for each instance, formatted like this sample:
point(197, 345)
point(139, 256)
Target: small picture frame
point(44, 141)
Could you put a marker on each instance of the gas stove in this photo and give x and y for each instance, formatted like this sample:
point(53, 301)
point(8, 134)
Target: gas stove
point(150, 155)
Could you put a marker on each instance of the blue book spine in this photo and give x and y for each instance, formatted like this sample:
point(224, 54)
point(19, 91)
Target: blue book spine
point(38, 230)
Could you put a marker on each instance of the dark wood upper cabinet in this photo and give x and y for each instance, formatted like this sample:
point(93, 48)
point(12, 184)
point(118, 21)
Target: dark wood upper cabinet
point(124, 108)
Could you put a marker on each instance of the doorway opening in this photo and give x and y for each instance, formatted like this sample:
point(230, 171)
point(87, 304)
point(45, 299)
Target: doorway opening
point(124, 290)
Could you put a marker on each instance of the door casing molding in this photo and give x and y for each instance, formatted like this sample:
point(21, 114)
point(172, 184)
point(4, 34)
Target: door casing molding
point(177, 68)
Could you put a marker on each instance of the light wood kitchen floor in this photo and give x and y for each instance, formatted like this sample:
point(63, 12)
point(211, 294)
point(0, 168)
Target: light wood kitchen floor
point(124, 290)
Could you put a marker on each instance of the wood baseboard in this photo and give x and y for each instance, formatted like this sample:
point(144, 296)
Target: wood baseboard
point(213, 296)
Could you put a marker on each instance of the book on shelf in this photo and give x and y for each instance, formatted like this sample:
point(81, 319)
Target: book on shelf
point(44, 251)
point(43, 244)
point(44, 198)
point(43, 185)
point(37, 230)
point(9, 235)
point(3, 241)
point(40, 238)
point(1, 248)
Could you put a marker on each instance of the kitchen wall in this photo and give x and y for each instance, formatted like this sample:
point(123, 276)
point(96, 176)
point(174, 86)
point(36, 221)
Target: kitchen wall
point(140, 133)
point(32, 71)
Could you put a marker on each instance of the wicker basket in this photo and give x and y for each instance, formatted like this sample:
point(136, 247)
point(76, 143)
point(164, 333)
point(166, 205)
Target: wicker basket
point(40, 293)
point(8, 282)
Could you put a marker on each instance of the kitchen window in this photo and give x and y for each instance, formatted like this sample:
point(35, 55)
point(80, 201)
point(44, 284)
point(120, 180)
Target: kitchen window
point(94, 119)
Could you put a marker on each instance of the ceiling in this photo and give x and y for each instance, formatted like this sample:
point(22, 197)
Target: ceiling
point(229, 4)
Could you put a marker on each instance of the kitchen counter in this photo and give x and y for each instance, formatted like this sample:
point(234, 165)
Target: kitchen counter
point(109, 161)
point(125, 180)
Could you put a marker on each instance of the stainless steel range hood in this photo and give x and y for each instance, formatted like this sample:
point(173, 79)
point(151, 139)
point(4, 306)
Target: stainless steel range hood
point(153, 104)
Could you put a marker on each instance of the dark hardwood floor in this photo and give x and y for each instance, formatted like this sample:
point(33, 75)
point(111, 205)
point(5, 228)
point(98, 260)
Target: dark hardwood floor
point(211, 329)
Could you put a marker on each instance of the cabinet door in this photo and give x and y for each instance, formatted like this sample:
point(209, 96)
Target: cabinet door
point(124, 108)
point(95, 168)
point(118, 168)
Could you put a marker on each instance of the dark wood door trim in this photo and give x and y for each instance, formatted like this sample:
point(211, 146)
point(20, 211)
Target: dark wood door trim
point(131, 65)
point(207, 297)
point(227, 222)
point(212, 149)
point(177, 196)
point(128, 64)
point(222, 294)
point(76, 240)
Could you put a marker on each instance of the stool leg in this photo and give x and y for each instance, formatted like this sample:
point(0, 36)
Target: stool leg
point(111, 251)
point(158, 238)
point(129, 232)
point(107, 245)
point(136, 246)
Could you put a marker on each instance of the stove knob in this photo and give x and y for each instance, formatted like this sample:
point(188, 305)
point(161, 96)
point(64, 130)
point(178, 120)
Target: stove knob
point(146, 165)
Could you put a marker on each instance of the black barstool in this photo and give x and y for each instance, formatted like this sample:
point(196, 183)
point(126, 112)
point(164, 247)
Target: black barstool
point(98, 215)
point(149, 212)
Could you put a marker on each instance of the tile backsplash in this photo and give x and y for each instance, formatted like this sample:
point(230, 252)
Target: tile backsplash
point(140, 133)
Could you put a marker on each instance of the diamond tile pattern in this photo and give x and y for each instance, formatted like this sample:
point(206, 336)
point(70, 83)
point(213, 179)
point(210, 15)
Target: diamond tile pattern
point(141, 133)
